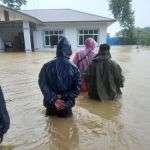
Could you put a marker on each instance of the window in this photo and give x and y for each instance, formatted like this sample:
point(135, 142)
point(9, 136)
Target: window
point(52, 37)
point(84, 34)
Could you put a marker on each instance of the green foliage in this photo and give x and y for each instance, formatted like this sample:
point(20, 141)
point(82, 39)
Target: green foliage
point(127, 36)
point(142, 36)
point(14, 4)
point(121, 9)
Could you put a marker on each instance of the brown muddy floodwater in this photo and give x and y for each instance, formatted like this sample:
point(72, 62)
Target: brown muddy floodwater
point(116, 125)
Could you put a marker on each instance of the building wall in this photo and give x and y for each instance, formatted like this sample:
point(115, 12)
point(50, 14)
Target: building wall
point(15, 16)
point(70, 31)
point(12, 15)
point(114, 41)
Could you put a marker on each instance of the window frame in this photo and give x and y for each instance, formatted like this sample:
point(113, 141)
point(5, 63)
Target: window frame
point(82, 34)
point(49, 35)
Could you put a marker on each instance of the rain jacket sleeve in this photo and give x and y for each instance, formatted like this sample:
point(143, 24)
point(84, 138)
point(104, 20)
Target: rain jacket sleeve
point(76, 58)
point(118, 75)
point(48, 93)
point(87, 73)
point(71, 94)
point(4, 116)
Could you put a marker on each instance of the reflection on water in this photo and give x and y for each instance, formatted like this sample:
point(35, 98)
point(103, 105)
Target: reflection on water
point(109, 125)
point(63, 134)
point(101, 125)
point(7, 147)
point(99, 108)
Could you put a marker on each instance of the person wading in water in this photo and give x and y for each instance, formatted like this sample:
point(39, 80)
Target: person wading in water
point(104, 76)
point(4, 117)
point(83, 58)
point(59, 81)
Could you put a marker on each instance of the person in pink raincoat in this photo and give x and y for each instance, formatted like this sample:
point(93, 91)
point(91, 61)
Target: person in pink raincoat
point(83, 59)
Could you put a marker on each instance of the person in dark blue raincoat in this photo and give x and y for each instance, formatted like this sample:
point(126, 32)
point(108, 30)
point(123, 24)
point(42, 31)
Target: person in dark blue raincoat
point(59, 81)
point(4, 117)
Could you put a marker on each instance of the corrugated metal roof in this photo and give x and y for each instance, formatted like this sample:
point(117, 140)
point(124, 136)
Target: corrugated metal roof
point(64, 15)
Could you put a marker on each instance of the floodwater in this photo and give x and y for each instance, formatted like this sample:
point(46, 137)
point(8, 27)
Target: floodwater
point(110, 125)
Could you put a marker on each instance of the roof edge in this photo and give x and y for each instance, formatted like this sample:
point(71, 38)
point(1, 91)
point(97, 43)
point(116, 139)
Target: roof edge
point(112, 19)
point(92, 14)
point(21, 13)
point(102, 21)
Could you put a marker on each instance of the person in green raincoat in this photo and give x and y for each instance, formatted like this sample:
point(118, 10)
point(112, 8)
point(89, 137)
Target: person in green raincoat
point(104, 76)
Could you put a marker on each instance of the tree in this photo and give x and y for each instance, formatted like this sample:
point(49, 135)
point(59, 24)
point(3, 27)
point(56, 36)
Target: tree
point(14, 4)
point(141, 36)
point(122, 11)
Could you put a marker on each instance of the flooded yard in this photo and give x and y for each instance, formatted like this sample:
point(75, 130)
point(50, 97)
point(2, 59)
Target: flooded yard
point(110, 125)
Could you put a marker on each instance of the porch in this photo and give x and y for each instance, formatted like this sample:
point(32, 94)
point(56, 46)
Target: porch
point(16, 36)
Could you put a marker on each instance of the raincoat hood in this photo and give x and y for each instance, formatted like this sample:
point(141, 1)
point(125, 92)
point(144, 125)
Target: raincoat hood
point(90, 44)
point(104, 52)
point(63, 48)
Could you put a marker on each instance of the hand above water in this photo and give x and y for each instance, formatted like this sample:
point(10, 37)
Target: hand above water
point(59, 104)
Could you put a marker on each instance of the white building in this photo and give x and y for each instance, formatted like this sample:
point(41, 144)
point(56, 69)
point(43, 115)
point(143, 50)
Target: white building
point(40, 29)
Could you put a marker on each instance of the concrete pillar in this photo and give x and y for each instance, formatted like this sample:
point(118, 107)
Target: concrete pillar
point(1, 45)
point(103, 34)
point(27, 37)
point(38, 39)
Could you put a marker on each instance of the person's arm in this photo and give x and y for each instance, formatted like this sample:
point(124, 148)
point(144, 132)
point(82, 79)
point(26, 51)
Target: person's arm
point(76, 58)
point(4, 116)
point(73, 91)
point(118, 75)
point(49, 95)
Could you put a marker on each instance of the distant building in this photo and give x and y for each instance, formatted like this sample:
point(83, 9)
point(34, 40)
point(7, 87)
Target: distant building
point(114, 41)
point(40, 29)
